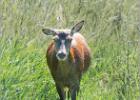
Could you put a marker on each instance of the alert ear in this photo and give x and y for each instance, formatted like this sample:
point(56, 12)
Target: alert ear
point(77, 27)
point(49, 31)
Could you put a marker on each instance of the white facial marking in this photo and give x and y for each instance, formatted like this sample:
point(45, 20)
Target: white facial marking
point(62, 50)
point(63, 46)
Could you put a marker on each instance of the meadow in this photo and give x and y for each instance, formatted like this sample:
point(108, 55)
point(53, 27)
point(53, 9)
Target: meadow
point(112, 30)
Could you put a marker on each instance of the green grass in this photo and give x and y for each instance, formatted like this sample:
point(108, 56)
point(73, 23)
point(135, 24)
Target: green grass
point(111, 30)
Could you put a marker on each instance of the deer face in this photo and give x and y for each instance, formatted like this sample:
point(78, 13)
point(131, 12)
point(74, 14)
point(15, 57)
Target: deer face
point(62, 39)
point(62, 45)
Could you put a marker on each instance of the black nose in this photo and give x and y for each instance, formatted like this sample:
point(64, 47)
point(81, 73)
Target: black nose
point(61, 55)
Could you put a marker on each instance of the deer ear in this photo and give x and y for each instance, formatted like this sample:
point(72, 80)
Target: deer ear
point(49, 31)
point(77, 27)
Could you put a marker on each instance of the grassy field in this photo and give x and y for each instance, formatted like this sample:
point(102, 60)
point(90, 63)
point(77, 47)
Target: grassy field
point(112, 32)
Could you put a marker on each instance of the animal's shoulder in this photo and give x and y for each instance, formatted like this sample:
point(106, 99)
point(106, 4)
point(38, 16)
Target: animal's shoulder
point(50, 48)
point(79, 42)
point(79, 36)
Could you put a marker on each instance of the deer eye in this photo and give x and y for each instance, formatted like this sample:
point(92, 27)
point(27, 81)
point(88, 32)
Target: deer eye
point(55, 38)
point(69, 39)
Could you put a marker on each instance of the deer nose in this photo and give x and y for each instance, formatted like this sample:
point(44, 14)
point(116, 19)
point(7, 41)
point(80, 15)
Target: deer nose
point(61, 55)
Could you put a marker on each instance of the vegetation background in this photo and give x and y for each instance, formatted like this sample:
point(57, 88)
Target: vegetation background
point(112, 31)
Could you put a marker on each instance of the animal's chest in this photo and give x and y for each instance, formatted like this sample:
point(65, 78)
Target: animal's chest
point(66, 73)
point(65, 70)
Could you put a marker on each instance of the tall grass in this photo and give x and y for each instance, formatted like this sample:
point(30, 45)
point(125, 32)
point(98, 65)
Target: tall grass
point(111, 30)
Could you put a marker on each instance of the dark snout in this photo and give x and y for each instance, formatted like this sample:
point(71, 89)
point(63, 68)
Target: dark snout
point(61, 56)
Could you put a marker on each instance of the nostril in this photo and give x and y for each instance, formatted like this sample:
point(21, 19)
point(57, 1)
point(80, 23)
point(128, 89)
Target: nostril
point(61, 55)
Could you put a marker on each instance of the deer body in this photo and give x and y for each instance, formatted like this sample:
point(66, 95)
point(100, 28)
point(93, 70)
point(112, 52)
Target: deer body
point(68, 72)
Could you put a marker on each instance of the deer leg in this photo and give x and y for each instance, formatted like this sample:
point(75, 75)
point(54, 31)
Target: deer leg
point(73, 94)
point(74, 91)
point(61, 92)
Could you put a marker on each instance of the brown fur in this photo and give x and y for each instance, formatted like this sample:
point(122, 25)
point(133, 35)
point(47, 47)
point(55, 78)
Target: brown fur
point(68, 73)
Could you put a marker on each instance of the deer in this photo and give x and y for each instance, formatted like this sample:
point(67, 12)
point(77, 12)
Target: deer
point(68, 57)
